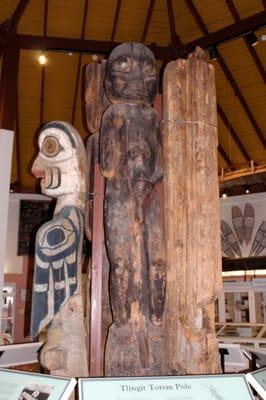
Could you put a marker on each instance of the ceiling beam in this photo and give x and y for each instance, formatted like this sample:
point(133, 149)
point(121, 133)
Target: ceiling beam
point(228, 74)
point(43, 67)
point(230, 32)
point(8, 86)
point(175, 40)
point(250, 263)
point(164, 53)
point(224, 155)
point(242, 100)
point(233, 133)
point(250, 48)
point(148, 20)
point(85, 14)
point(117, 11)
point(17, 15)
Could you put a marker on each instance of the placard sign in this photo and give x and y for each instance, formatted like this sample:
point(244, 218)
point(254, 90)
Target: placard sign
point(207, 387)
point(18, 385)
point(19, 354)
point(257, 379)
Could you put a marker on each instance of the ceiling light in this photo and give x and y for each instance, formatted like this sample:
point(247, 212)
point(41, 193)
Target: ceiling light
point(247, 190)
point(213, 53)
point(224, 195)
point(252, 38)
point(42, 59)
point(94, 57)
point(70, 54)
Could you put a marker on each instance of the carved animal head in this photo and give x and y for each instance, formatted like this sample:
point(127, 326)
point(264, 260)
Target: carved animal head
point(61, 162)
point(131, 74)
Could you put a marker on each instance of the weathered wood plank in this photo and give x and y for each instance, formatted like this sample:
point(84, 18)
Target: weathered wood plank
point(191, 215)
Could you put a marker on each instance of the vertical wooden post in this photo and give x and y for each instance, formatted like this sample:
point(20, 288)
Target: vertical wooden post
point(96, 275)
point(191, 215)
point(8, 86)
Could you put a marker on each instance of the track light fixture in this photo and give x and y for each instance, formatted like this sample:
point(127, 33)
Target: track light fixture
point(224, 194)
point(252, 38)
point(213, 53)
point(42, 59)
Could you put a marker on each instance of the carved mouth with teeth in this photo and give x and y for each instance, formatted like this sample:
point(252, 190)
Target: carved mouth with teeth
point(50, 177)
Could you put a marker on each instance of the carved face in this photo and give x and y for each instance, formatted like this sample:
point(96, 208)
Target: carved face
point(61, 161)
point(131, 74)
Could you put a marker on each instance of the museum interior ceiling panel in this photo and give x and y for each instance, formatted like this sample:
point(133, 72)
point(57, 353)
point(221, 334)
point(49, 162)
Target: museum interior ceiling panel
point(72, 34)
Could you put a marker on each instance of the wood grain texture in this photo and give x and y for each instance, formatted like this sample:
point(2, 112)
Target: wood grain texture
point(131, 161)
point(191, 215)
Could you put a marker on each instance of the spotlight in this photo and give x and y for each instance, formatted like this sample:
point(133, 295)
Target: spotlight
point(224, 195)
point(213, 53)
point(247, 190)
point(94, 57)
point(252, 38)
point(42, 59)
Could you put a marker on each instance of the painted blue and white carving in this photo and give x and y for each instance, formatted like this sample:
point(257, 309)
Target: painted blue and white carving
point(58, 249)
point(61, 165)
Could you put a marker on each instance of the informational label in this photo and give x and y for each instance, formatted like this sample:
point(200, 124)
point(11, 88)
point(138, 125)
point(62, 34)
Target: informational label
point(18, 385)
point(19, 354)
point(207, 387)
point(257, 379)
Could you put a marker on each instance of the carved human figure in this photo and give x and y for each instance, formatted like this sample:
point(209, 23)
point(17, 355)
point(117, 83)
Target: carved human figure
point(131, 160)
point(57, 299)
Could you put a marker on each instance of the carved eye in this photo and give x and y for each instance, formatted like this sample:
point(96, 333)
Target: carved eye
point(149, 69)
point(123, 64)
point(51, 146)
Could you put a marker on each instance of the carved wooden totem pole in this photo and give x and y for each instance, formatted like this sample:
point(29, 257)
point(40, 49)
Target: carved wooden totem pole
point(57, 294)
point(191, 215)
point(131, 161)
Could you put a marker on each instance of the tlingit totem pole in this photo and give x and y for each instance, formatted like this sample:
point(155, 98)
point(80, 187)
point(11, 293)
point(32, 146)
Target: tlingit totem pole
point(131, 161)
point(192, 219)
point(57, 295)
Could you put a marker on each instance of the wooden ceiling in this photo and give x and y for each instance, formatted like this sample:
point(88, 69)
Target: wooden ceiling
point(71, 32)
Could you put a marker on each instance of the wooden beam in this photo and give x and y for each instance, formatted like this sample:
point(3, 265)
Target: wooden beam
point(229, 75)
point(17, 15)
point(43, 67)
point(85, 13)
point(3, 37)
point(96, 273)
point(251, 49)
point(163, 53)
point(17, 139)
point(238, 264)
point(148, 20)
point(230, 32)
point(223, 153)
point(118, 6)
point(171, 17)
point(8, 86)
point(242, 100)
point(233, 132)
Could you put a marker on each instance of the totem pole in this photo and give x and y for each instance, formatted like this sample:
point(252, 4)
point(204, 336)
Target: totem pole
point(131, 161)
point(192, 217)
point(57, 293)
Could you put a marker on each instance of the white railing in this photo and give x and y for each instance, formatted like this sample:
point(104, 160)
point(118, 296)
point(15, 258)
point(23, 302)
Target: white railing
point(246, 334)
